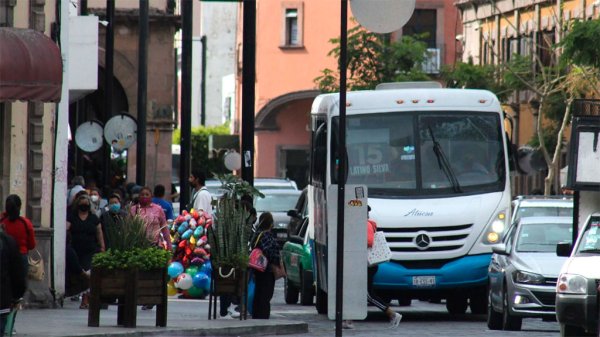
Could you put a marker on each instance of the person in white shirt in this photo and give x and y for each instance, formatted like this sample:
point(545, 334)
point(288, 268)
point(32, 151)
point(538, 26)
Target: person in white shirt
point(201, 198)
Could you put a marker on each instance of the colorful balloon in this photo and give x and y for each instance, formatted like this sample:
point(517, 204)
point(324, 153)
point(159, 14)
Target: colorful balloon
point(175, 269)
point(171, 290)
point(184, 281)
point(187, 234)
point(206, 268)
point(201, 280)
point(192, 270)
point(195, 292)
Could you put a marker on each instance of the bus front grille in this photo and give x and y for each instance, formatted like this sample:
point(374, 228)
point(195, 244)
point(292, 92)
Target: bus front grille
point(427, 239)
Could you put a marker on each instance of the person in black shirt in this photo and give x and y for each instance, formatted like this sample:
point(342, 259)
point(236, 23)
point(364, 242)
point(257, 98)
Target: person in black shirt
point(12, 276)
point(265, 281)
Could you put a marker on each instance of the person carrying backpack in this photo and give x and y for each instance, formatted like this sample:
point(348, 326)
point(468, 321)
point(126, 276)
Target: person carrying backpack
point(12, 277)
point(19, 228)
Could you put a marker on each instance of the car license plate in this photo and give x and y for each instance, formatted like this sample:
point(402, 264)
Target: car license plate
point(423, 281)
point(282, 235)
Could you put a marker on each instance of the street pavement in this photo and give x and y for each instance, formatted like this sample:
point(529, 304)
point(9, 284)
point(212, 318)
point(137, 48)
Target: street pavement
point(190, 318)
point(185, 318)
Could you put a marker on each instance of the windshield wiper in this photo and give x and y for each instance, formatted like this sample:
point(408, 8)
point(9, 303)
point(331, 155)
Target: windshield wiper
point(443, 163)
point(593, 250)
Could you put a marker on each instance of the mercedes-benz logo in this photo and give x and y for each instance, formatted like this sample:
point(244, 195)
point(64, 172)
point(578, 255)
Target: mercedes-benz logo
point(422, 241)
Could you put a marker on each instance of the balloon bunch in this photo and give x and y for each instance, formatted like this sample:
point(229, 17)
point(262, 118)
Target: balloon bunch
point(190, 269)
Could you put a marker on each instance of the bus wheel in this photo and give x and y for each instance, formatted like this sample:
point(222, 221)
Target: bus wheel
point(306, 287)
point(290, 292)
point(404, 301)
point(456, 304)
point(321, 302)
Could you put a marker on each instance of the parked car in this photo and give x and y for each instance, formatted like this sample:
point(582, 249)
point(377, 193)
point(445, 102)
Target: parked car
point(278, 202)
point(523, 271)
point(297, 260)
point(215, 189)
point(527, 206)
point(577, 288)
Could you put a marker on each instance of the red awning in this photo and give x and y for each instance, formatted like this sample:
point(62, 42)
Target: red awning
point(30, 66)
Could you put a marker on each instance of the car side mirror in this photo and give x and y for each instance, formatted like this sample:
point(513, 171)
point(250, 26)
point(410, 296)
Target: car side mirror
point(500, 249)
point(564, 249)
point(293, 213)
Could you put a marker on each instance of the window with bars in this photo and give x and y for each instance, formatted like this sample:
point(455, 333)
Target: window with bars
point(6, 12)
point(291, 27)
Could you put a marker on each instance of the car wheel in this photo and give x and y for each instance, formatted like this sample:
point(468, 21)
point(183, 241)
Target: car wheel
point(290, 292)
point(404, 301)
point(478, 301)
point(321, 302)
point(306, 287)
point(456, 304)
point(509, 322)
point(571, 331)
point(494, 319)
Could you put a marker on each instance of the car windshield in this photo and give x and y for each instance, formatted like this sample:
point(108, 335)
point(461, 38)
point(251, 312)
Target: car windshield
point(425, 153)
point(542, 237)
point(527, 211)
point(276, 202)
point(590, 239)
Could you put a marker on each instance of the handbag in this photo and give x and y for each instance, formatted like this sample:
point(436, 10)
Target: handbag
point(257, 260)
point(36, 267)
point(380, 251)
point(278, 270)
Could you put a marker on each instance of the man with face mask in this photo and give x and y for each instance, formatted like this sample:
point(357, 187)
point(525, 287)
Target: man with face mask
point(111, 216)
point(96, 201)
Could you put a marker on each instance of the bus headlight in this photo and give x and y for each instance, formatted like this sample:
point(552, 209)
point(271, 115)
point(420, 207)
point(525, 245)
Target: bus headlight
point(495, 229)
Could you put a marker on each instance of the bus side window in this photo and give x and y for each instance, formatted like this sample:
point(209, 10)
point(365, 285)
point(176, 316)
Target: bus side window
point(319, 163)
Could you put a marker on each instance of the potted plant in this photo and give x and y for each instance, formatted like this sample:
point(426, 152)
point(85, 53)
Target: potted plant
point(132, 270)
point(229, 235)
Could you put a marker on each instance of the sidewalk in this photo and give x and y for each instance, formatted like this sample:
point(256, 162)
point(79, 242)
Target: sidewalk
point(185, 318)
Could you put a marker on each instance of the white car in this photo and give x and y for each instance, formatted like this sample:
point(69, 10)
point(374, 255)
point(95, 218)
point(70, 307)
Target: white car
point(577, 286)
point(527, 206)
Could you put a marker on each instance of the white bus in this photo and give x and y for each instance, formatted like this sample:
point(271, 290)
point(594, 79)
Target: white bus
point(436, 165)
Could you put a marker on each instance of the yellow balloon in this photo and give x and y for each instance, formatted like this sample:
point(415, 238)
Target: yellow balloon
point(193, 241)
point(171, 290)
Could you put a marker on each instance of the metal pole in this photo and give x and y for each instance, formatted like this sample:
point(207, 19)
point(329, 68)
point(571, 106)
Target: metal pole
point(187, 8)
point(108, 81)
point(176, 88)
point(248, 77)
point(142, 95)
point(203, 83)
point(576, 201)
point(339, 279)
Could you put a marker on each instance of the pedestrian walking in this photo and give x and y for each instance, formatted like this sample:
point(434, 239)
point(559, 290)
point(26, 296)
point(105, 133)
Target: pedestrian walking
point(159, 199)
point(372, 297)
point(12, 277)
point(111, 216)
point(19, 228)
point(201, 198)
point(265, 280)
point(85, 235)
point(77, 184)
point(98, 203)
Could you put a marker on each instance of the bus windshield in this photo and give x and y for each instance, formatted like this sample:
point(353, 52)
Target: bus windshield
point(424, 153)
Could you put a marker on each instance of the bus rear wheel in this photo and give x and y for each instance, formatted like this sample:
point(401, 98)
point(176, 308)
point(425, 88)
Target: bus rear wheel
point(321, 302)
point(290, 292)
point(306, 287)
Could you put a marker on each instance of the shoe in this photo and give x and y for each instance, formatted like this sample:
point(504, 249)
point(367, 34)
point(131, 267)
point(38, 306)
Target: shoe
point(234, 314)
point(75, 298)
point(228, 316)
point(147, 307)
point(348, 324)
point(395, 320)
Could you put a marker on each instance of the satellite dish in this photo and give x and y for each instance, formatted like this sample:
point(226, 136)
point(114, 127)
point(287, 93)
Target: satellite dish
point(232, 160)
point(88, 136)
point(120, 132)
point(382, 16)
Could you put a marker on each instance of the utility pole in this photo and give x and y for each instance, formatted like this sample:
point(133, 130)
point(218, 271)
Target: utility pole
point(142, 95)
point(248, 78)
point(187, 8)
point(108, 81)
point(203, 83)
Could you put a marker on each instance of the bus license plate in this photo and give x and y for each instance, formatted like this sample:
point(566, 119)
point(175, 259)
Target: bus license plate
point(423, 281)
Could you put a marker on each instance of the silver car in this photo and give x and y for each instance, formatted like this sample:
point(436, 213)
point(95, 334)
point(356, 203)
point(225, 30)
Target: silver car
point(524, 270)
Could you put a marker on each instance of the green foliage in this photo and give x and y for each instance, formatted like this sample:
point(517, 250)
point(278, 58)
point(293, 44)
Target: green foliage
point(200, 158)
point(581, 45)
point(471, 76)
point(129, 247)
point(140, 258)
point(124, 233)
point(372, 59)
point(229, 236)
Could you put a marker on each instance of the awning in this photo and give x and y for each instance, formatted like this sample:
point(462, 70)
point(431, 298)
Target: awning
point(30, 66)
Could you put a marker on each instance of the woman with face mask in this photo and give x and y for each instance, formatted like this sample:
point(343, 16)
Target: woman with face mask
point(97, 202)
point(86, 235)
point(154, 219)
